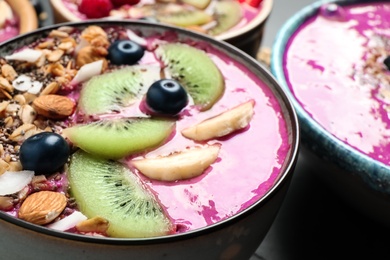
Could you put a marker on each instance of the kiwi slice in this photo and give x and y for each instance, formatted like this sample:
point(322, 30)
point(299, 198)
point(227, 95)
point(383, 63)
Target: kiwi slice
point(112, 91)
point(195, 70)
point(227, 14)
point(108, 189)
point(201, 4)
point(184, 18)
point(120, 137)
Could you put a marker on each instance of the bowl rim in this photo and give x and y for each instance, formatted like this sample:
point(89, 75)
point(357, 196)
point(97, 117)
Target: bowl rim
point(374, 174)
point(291, 120)
point(260, 18)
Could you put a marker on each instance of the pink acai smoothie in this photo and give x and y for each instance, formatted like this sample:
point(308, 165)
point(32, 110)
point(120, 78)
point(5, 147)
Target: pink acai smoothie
point(250, 160)
point(335, 66)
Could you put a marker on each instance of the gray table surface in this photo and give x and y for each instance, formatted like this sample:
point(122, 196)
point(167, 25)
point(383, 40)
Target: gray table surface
point(313, 223)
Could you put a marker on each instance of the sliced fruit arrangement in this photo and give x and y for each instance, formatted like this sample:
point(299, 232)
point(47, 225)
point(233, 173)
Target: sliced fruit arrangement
point(120, 137)
point(201, 4)
point(195, 70)
point(182, 165)
point(185, 18)
point(110, 92)
point(107, 189)
point(228, 14)
point(223, 124)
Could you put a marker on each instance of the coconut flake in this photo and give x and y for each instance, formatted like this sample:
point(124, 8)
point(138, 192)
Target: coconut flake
point(12, 182)
point(28, 55)
point(23, 83)
point(36, 87)
point(135, 38)
point(87, 71)
point(68, 222)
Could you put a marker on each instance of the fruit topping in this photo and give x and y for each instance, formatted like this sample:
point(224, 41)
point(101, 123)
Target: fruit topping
point(332, 11)
point(228, 14)
point(386, 61)
point(110, 190)
point(223, 124)
point(124, 2)
point(166, 96)
point(178, 166)
point(184, 17)
point(44, 153)
point(95, 8)
point(117, 138)
point(112, 91)
point(201, 4)
point(253, 3)
point(125, 52)
point(195, 71)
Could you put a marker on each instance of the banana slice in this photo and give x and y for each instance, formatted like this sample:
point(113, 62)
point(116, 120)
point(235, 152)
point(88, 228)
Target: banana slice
point(5, 13)
point(178, 166)
point(223, 124)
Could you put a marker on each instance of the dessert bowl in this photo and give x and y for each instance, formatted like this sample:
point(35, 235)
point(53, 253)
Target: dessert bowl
point(240, 23)
point(17, 17)
point(338, 86)
point(214, 209)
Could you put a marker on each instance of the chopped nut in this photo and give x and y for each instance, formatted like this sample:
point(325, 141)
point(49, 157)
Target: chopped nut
point(52, 88)
point(9, 121)
point(3, 105)
point(15, 166)
point(8, 72)
point(27, 114)
point(6, 203)
point(4, 166)
point(20, 99)
point(23, 132)
point(46, 45)
point(4, 84)
point(42, 207)
point(96, 224)
point(54, 106)
point(58, 34)
point(55, 55)
point(29, 97)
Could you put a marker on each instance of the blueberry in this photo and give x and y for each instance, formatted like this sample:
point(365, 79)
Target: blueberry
point(386, 61)
point(125, 52)
point(333, 11)
point(166, 96)
point(44, 153)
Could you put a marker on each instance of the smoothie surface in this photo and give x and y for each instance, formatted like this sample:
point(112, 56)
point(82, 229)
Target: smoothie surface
point(334, 67)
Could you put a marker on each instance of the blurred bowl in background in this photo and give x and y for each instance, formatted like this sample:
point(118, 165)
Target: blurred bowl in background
point(331, 59)
point(236, 22)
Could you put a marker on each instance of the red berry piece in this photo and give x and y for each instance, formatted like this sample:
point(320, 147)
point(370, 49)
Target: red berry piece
point(95, 8)
point(118, 3)
point(253, 3)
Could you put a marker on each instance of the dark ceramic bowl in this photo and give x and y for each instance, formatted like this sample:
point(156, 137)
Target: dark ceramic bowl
point(234, 238)
point(247, 38)
point(356, 177)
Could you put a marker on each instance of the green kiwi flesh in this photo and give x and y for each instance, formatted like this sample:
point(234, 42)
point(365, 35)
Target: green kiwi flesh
point(110, 190)
point(201, 4)
point(195, 70)
point(228, 14)
point(185, 18)
point(112, 91)
point(120, 137)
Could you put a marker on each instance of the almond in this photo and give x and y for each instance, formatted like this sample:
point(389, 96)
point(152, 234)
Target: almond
point(42, 207)
point(96, 224)
point(54, 106)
